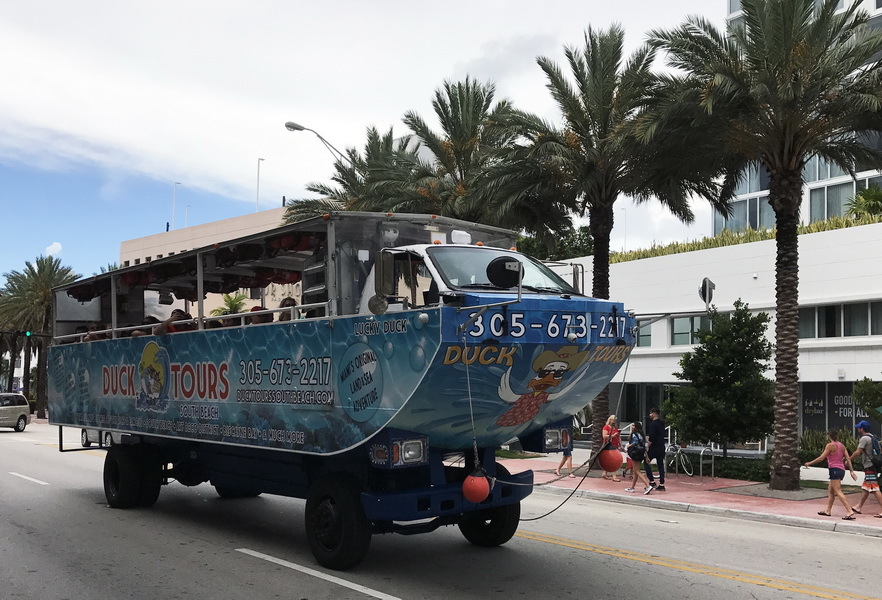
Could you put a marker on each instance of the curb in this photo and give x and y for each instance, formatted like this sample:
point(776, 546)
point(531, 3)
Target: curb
point(729, 513)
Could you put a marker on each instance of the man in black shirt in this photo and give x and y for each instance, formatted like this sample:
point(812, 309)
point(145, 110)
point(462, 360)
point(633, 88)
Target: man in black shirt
point(655, 448)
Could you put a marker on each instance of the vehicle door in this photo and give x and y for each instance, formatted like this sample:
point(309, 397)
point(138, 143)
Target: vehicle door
point(7, 408)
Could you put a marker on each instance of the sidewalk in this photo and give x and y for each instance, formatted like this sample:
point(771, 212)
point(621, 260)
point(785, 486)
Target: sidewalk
point(722, 497)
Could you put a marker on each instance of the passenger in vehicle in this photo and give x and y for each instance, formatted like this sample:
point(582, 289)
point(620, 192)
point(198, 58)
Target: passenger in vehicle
point(288, 302)
point(257, 319)
point(93, 329)
point(171, 324)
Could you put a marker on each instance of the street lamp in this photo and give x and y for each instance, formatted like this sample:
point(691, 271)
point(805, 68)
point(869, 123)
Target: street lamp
point(292, 126)
point(174, 201)
point(257, 199)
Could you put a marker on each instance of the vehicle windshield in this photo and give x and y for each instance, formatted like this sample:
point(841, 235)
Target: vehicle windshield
point(465, 267)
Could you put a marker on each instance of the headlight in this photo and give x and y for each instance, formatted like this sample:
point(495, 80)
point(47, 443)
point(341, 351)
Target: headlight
point(413, 451)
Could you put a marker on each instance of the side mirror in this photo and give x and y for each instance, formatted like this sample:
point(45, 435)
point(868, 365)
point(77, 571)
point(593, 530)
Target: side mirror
point(505, 272)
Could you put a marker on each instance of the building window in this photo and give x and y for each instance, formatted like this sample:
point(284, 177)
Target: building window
point(875, 318)
point(125, 263)
point(753, 179)
point(683, 330)
point(855, 319)
point(830, 201)
point(644, 334)
point(137, 261)
point(829, 321)
point(807, 326)
point(735, 6)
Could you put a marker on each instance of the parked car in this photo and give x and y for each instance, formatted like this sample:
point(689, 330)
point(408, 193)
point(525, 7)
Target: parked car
point(15, 411)
point(95, 436)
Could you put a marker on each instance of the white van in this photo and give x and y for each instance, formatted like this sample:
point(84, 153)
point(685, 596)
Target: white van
point(15, 411)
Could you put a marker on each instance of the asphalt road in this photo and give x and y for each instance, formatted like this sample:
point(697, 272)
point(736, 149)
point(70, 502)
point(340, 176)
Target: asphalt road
point(59, 540)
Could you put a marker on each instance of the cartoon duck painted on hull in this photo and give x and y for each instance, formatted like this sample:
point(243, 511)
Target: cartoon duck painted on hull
point(550, 368)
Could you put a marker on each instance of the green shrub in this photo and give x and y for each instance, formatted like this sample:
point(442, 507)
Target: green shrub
point(812, 442)
point(748, 469)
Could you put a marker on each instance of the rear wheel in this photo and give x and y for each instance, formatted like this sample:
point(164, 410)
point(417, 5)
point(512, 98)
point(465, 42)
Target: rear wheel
point(122, 477)
point(492, 526)
point(338, 532)
point(108, 439)
point(84, 438)
point(151, 477)
point(21, 423)
point(686, 464)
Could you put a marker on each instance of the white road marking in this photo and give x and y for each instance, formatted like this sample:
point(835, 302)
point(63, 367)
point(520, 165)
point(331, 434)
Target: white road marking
point(28, 478)
point(306, 570)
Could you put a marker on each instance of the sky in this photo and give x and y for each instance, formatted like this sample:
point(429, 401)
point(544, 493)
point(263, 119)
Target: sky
point(105, 105)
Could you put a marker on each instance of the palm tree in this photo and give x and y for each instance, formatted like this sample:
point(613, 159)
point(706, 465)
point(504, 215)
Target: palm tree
point(354, 175)
point(866, 202)
point(233, 304)
point(26, 304)
point(789, 83)
point(594, 159)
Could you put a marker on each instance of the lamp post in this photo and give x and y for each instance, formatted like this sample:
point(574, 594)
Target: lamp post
point(174, 201)
point(257, 199)
point(292, 126)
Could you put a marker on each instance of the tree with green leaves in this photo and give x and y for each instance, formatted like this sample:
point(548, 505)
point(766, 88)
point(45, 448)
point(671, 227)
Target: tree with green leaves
point(866, 202)
point(384, 157)
point(867, 395)
point(793, 79)
point(232, 304)
point(728, 400)
point(573, 244)
point(26, 304)
point(594, 158)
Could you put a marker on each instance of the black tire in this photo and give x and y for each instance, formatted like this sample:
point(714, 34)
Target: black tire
point(84, 438)
point(686, 464)
point(21, 424)
point(229, 493)
point(337, 530)
point(122, 477)
point(108, 440)
point(151, 478)
point(492, 526)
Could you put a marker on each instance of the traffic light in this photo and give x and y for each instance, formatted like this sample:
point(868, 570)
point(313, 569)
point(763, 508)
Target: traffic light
point(26, 333)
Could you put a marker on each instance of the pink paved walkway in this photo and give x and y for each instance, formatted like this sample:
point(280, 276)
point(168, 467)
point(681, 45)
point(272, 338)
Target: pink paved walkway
point(705, 495)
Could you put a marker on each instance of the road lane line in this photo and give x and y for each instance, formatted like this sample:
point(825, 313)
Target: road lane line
point(28, 478)
point(307, 571)
point(740, 576)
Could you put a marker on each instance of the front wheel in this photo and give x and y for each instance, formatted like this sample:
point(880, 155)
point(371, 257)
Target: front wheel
point(492, 527)
point(84, 438)
point(686, 464)
point(337, 530)
point(21, 424)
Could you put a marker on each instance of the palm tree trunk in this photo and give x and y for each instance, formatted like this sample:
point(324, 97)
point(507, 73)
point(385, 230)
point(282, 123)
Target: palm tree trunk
point(600, 224)
point(785, 192)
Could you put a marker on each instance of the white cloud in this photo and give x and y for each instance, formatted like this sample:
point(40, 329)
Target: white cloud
point(52, 249)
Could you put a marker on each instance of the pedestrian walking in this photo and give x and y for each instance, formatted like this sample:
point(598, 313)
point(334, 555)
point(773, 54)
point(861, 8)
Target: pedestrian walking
point(611, 436)
point(871, 478)
point(637, 454)
point(837, 459)
point(655, 449)
point(566, 460)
